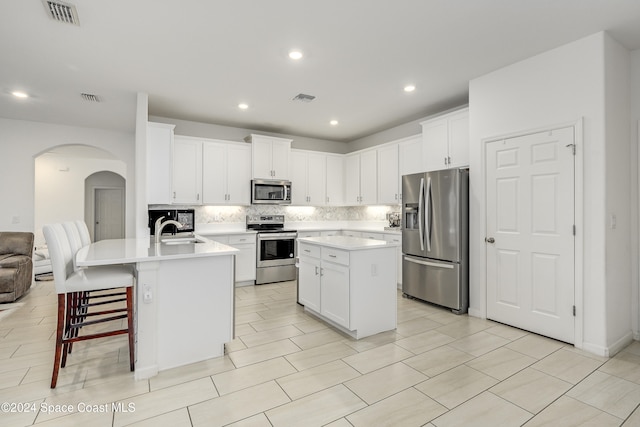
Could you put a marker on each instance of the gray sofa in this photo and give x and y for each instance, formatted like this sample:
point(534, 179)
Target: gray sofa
point(16, 264)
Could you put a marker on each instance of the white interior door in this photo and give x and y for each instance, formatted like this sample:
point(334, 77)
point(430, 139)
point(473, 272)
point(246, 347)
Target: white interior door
point(530, 232)
point(109, 213)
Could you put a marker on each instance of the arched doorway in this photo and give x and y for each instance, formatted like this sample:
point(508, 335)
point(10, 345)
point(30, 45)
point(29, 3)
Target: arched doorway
point(105, 205)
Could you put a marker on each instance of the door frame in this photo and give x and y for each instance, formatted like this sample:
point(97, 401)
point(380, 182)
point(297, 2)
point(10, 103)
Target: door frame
point(95, 203)
point(579, 223)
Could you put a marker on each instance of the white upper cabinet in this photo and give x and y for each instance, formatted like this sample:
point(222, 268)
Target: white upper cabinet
point(270, 156)
point(446, 141)
point(335, 180)
point(410, 156)
point(187, 171)
point(159, 145)
point(388, 175)
point(361, 171)
point(308, 178)
point(226, 173)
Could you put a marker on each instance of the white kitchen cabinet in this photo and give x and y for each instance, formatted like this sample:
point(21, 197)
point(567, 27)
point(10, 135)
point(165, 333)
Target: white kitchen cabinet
point(226, 173)
point(351, 233)
point(270, 156)
point(396, 238)
point(410, 156)
point(350, 283)
point(159, 146)
point(308, 233)
point(335, 180)
point(446, 141)
point(187, 171)
point(330, 233)
point(388, 175)
point(308, 178)
point(361, 178)
point(245, 270)
point(372, 236)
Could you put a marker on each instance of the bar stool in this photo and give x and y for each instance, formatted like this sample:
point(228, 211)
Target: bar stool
point(72, 284)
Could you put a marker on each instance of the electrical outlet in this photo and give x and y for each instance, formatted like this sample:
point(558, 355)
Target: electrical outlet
point(374, 270)
point(147, 294)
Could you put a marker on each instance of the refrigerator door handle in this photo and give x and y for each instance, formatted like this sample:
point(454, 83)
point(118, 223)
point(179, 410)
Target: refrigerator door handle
point(428, 263)
point(427, 216)
point(421, 213)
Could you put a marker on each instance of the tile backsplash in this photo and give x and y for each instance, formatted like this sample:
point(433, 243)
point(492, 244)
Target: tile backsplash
point(237, 214)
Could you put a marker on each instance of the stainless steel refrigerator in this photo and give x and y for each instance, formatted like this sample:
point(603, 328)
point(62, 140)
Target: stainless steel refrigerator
point(435, 237)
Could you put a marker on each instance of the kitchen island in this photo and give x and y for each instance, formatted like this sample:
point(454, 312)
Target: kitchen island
point(184, 309)
point(349, 282)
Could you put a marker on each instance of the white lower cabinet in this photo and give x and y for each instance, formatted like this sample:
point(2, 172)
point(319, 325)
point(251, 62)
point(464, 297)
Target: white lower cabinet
point(397, 238)
point(246, 258)
point(354, 289)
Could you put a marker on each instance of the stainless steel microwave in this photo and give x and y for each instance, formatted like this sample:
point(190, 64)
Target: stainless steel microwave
point(270, 192)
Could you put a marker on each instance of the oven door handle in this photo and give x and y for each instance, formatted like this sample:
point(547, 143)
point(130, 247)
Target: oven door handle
point(277, 237)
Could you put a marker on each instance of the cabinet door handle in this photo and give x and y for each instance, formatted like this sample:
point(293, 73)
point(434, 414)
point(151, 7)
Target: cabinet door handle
point(174, 194)
point(445, 160)
point(449, 159)
point(332, 256)
point(198, 196)
point(316, 271)
point(308, 251)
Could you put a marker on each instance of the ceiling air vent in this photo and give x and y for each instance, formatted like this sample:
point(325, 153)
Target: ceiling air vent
point(90, 97)
point(304, 97)
point(62, 12)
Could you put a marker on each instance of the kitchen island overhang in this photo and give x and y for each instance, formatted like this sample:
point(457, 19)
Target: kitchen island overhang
point(184, 310)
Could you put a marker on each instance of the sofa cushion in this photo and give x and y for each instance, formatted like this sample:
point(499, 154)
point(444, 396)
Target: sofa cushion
point(16, 242)
point(14, 261)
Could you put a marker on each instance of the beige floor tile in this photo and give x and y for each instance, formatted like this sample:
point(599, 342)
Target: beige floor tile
point(625, 365)
point(436, 361)
point(407, 408)
point(633, 420)
point(479, 343)
point(317, 409)
point(507, 332)
point(373, 341)
point(263, 352)
point(291, 319)
point(535, 346)
point(259, 420)
point(13, 378)
point(453, 387)
point(264, 337)
point(310, 325)
point(318, 338)
point(614, 395)
point(380, 384)
point(531, 390)
point(237, 406)
point(464, 327)
point(190, 372)
point(415, 326)
point(178, 418)
point(248, 376)
point(425, 341)
point(319, 355)
point(318, 378)
point(166, 400)
point(568, 412)
point(634, 348)
point(484, 410)
point(100, 419)
point(377, 358)
point(235, 345)
point(250, 308)
point(247, 317)
point(18, 416)
point(501, 363)
point(410, 313)
point(342, 422)
point(567, 366)
point(244, 329)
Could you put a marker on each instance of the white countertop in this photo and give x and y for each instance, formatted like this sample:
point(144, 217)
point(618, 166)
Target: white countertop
point(346, 242)
point(124, 251)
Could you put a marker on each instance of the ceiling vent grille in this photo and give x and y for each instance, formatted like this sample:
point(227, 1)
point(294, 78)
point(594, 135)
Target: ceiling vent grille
point(303, 97)
point(90, 97)
point(62, 12)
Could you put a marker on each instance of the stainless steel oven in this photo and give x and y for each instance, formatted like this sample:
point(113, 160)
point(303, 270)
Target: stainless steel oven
point(276, 249)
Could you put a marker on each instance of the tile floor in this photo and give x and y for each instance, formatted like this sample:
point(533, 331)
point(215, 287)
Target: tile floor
point(285, 368)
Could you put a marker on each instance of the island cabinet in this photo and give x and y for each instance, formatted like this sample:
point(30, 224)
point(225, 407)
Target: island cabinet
point(349, 282)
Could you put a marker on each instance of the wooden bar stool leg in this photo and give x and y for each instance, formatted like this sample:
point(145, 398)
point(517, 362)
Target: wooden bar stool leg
point(130, 327)
point(59, 336)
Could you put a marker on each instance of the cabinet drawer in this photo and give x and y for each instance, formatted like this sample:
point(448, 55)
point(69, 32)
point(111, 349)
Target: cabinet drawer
point(330, 233)
point(218, 238)
point(351, 233)
point(235, 239)
point(309, 250)
point(335, 255)
point(394, 238)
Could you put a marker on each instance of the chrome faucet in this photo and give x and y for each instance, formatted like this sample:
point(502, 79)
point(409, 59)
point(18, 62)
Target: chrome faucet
point(160, 225)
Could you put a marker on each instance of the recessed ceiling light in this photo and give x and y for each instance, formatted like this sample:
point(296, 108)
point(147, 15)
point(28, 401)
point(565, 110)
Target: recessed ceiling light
point(19, 94)
point(333, 122)
point(409, 88)
point(243, 106)
point(295, 54)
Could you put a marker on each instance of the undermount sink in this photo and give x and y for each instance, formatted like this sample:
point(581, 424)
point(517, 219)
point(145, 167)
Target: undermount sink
point(182, 240)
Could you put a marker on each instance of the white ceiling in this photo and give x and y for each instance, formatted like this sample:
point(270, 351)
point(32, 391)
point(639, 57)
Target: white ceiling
point(198, 59)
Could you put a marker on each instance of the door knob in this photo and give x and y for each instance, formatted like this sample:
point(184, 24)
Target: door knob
point(490, 240)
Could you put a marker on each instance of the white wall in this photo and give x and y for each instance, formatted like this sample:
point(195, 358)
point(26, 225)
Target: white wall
point(22, 141)
point(634, 85)
point(559, 86)
point(59, 193)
